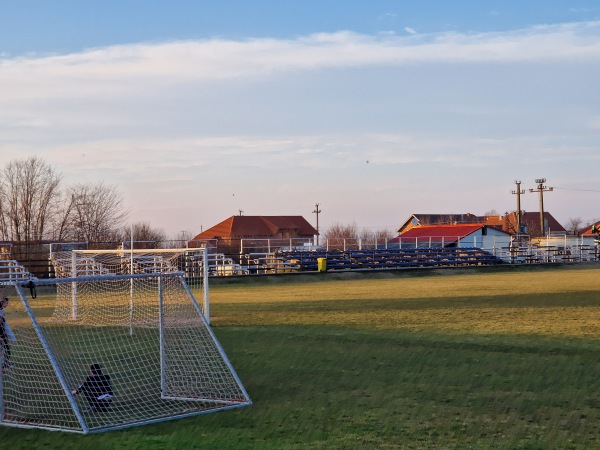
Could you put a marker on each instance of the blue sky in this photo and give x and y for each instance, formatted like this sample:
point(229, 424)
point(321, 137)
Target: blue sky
point(373, 109)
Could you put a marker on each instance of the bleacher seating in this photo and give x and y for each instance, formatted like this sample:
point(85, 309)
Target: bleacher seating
point(84, 267)
point(152, 264)
point(390, 258)
point(11, 270)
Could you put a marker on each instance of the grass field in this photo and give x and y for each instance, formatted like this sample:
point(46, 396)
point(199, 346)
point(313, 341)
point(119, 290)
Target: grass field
point(446, 359)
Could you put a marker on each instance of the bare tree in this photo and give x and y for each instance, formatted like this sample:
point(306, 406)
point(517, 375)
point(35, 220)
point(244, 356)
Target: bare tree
point(61, 228)
point(144, 235)
point(184, 236)
point(339, 231)
point(375, 236)
point(29, 192)
point(339, 236)
point(574, 225)
point(97, 212)
point(347, 236)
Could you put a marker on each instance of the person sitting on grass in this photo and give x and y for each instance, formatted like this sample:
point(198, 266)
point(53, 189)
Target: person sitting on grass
point(97, 389)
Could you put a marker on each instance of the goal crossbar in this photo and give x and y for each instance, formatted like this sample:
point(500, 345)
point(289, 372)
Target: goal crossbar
point(191, 262)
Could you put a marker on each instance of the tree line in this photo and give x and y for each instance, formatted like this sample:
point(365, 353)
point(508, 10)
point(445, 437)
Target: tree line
point(35, 206)
point(338, 231)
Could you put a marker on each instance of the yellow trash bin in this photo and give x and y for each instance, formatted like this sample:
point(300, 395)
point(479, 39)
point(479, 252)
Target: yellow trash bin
point(322, 264)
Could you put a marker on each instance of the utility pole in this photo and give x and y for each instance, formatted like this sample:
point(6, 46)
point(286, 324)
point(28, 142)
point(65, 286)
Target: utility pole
point(317, 211)
point(518, 192)
point(541, 189)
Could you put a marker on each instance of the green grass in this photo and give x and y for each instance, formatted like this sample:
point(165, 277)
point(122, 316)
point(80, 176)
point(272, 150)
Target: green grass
point(131, 356)
point(448, 359)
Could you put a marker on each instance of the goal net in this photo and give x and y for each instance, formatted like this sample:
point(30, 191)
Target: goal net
point(191, 262)
point(145, 331)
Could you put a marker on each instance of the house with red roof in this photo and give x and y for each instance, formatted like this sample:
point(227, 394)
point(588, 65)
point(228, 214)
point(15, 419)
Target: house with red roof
point(530, 222)
point(592, 230)
point(458, 235)
point(235, 228)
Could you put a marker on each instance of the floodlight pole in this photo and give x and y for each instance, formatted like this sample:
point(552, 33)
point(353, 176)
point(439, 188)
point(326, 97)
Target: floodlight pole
point(518, 192)
point(541, 189)
point(317, 211)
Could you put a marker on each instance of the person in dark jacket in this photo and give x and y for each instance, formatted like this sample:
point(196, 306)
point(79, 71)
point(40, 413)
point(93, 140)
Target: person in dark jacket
point(6, 334)
point(97, 389)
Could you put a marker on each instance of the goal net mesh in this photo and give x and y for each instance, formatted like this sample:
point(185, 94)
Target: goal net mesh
point(188, 261)
point(146, 331)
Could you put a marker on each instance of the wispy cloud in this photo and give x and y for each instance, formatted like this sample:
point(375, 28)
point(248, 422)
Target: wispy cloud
point(141, 71)
point(299, 117)
point(221, 59)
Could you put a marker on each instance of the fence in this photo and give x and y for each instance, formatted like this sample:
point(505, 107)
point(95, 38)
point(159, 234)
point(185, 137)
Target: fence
point(266, 256)
point(249, 246)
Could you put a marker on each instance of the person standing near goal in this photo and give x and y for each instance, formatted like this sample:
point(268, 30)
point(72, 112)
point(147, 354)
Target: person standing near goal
point(97, 389)
point(6, 334)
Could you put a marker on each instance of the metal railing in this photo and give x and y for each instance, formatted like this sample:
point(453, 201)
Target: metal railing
point(267, 256)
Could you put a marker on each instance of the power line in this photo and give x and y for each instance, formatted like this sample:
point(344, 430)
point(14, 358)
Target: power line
point(572, 189)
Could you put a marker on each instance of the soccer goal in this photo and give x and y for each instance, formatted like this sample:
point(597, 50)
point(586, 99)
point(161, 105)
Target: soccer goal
point(146, 332)
point(191, 262)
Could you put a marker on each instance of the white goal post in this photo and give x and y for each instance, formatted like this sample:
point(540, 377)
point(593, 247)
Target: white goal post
point(163, 359)
point(192, 262)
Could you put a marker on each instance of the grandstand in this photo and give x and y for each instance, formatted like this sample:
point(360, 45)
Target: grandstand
point(374, 259)
point(11, 271)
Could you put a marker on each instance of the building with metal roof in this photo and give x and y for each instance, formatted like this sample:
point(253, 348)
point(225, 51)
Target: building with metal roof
point(459, 235)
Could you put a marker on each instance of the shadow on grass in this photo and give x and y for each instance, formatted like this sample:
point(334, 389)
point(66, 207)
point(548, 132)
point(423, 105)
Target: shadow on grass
point(391, 389)
point(340, 387)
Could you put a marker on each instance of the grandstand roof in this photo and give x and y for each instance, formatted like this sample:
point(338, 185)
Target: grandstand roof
point(259, 227)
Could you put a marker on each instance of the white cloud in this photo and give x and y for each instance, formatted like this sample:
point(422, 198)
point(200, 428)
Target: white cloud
point(410, 30)
point(32, 88)
point(287, 122)
point(121, 66)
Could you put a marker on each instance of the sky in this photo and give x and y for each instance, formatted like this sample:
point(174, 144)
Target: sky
point(375, 110)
